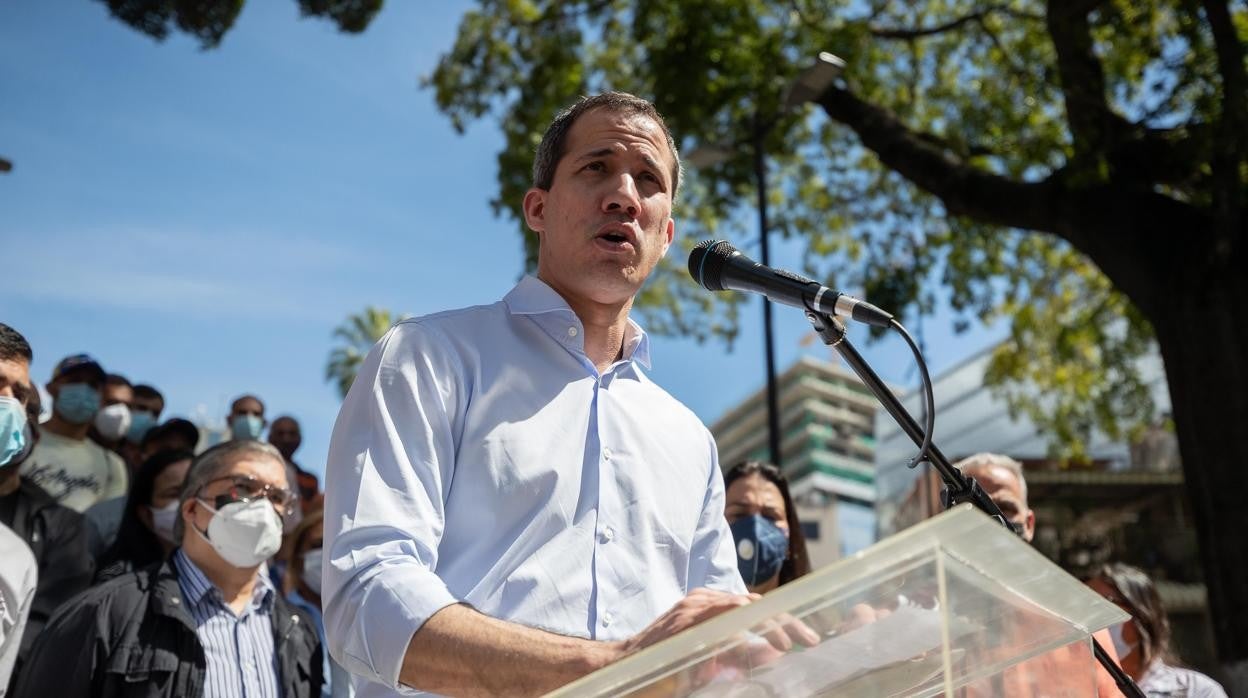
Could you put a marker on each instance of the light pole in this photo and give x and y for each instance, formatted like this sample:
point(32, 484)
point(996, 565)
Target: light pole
point(809, 85)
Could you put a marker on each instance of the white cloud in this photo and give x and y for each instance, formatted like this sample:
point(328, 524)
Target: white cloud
point(234, 273)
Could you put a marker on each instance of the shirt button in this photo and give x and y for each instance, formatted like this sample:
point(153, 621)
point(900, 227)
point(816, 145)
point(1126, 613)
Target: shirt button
point(608, 534)
point(607, 618)
point(606, 454)
point(572, 331)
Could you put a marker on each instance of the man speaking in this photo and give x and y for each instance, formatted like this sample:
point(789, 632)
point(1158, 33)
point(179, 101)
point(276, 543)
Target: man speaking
point(510, 502)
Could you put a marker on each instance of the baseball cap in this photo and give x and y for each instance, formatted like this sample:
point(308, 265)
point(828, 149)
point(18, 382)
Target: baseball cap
point(77, 361)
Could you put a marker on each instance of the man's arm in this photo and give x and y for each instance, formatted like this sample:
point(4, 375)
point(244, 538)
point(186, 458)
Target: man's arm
point(118, 477)
point(65, 566)
point(464, 653)
point(65, 659)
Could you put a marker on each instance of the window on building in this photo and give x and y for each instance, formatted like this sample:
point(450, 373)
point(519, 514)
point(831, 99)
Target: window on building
point(810, 529)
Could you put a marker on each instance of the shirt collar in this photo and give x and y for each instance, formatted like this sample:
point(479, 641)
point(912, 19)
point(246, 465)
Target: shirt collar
point(195, 584)
point(532, 296)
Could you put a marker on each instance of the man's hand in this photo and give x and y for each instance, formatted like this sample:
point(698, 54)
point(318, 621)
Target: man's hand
point(699, 605)
point(704, 604)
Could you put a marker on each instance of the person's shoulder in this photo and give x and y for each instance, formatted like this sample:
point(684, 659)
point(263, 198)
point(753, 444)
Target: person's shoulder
point(113, 601)
point(1201, 686)
point(45, 505)
point(467, 317)
point(1165, 678)
point(112, 458)
point(450, 332)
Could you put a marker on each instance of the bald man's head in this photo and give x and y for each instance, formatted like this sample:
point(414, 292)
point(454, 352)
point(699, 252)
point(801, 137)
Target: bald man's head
point(1003, 481)
point(285, 435)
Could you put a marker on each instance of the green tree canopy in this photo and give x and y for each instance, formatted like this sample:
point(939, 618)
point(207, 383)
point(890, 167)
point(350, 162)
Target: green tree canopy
point(1074, 167)
point(209, 20)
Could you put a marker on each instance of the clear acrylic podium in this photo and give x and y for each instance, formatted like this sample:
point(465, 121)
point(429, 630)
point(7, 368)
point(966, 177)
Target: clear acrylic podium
point(957, 606)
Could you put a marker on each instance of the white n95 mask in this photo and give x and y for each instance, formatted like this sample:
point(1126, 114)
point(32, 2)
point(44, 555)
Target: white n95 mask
point(244, 534)
point(113, 421)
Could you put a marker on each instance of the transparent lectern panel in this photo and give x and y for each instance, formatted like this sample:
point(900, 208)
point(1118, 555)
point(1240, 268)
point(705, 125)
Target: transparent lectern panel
point(939, 609)
point(1064, 672)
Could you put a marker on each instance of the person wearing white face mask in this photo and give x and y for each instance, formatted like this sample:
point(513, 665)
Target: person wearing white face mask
point(75, 470)
point(1143, 643)
point(144, 535)
point(112, 421)
point(212, 623)
point(303, 590)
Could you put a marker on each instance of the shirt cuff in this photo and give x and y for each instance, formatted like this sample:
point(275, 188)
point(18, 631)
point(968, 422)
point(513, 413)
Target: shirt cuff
point(378, 617)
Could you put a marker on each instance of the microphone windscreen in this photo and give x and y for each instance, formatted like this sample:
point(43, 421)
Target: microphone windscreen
point(707, 261)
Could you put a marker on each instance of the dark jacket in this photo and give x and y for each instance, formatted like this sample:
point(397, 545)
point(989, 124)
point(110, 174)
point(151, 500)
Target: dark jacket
point(133, 637)
point(58, 538)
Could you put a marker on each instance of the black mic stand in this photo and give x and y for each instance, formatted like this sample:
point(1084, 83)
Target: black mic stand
point(958, 488)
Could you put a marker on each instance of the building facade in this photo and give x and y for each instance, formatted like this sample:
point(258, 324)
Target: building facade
point(827, 451)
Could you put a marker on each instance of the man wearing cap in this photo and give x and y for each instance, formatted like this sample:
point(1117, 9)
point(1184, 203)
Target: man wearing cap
point(74, 470)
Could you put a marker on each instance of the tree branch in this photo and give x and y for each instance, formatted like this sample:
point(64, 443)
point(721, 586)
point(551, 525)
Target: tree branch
point(1083, 81)
point(1106, 221)
point(921, 32)
point(1232, 122)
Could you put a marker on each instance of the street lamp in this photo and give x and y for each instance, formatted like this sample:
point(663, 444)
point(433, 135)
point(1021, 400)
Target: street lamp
point(809, 85)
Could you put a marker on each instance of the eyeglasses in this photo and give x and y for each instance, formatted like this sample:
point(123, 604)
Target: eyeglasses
point(246, 489)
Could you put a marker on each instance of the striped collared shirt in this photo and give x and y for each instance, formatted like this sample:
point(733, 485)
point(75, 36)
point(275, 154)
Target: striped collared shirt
point(242, 658)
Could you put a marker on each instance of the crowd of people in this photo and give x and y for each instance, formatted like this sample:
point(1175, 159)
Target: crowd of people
point(510, 502)
point(133, 565)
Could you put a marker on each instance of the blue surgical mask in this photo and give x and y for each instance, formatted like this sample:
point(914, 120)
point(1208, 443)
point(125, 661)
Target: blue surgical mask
point(14, 433)
point(761, 548)
point(141, 422)
point(77, 403)
point(246, 426)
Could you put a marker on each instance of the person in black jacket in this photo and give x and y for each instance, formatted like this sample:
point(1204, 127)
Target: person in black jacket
point(205, 622)
point(55, 534)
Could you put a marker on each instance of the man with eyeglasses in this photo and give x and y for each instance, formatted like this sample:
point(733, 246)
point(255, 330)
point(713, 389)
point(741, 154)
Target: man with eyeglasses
point(205, 622)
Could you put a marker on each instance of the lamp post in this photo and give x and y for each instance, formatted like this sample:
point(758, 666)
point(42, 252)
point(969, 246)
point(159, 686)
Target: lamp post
point(809, 85)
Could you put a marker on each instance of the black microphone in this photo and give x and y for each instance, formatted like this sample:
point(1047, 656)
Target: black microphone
point(718, 266)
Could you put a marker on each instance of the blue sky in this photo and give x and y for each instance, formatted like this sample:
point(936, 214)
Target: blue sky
point(202, 220)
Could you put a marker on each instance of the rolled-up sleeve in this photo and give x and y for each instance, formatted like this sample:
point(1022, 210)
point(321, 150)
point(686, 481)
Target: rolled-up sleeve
point(390, 464)
point(713, 558)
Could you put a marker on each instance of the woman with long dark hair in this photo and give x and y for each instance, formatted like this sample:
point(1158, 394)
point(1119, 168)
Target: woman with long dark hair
point(145, 535)
point(1143, 643)
point(771, 549)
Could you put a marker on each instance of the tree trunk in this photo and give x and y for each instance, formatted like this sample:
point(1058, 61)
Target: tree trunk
point(1203, 336)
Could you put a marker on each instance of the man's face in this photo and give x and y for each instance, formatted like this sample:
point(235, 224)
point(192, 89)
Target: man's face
point(147, 404)
point(248, 475)
point(285, 436)
point(15, 380)
point(1003, 487)
point(246, 406)
point(77, 375)
point(607, 218)
point(116, 394)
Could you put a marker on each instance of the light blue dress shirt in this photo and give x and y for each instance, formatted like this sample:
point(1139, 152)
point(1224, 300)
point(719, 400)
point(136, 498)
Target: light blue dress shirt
point(480, 457)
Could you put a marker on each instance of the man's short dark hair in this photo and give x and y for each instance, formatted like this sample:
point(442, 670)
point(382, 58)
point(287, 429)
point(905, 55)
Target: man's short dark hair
point(147, 392)
point(553, 146)
point(13, 346)
point(116, 379)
